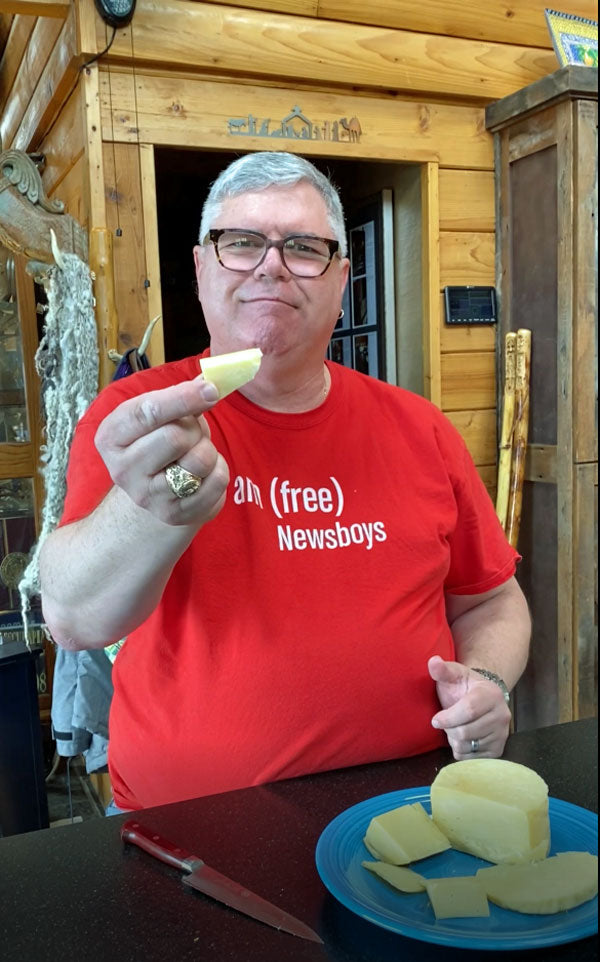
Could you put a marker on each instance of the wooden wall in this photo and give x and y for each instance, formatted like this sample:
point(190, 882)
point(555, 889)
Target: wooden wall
point(468, 354)
point(417, 75)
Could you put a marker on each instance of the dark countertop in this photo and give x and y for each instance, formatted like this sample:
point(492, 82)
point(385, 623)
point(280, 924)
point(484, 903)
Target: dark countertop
point(76, 892)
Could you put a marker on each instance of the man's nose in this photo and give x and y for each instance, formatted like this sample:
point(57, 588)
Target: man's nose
point(273, 265)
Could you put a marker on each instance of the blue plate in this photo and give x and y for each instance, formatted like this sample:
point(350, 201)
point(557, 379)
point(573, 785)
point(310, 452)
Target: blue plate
point(340, 851)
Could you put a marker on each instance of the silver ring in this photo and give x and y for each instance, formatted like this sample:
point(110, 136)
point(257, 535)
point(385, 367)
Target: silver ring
point(474, 745)
point(181, 482)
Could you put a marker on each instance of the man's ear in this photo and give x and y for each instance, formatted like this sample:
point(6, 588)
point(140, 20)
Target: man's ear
point(345, 266)
point(198, 260)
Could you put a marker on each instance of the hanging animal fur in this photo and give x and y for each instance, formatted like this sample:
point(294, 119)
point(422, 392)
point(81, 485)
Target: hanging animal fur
point(67, 364)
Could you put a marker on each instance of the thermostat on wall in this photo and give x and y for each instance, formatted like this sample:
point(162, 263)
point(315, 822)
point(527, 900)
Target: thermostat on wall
point(470, 305)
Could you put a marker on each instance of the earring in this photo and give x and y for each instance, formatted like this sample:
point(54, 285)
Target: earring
point(341, 314)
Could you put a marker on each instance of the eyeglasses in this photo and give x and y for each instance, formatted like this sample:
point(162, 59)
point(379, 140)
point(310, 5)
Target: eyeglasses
point(304, 255)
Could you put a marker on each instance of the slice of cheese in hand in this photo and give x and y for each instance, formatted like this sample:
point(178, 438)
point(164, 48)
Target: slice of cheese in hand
point(457, 897)
point(401, 878)
point(228, 372)
point(405, 834)
point(492, 808)
point(542, 888)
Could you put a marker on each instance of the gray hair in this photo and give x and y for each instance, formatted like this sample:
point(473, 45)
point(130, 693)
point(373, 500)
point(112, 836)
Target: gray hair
point(257, 171)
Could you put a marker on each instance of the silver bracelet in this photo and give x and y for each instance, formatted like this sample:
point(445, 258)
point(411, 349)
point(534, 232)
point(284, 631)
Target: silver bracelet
point(491, 676)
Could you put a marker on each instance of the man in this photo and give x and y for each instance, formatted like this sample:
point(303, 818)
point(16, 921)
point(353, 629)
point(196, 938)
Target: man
point(323, 589)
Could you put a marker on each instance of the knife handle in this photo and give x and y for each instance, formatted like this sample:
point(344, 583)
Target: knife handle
point(159, 847)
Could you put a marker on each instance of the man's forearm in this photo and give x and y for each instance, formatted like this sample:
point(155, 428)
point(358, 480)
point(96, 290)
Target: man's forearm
point(102, 576)
point(495, 634)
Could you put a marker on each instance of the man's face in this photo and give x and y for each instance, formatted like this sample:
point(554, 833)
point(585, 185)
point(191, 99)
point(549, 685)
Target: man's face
point(269, 307)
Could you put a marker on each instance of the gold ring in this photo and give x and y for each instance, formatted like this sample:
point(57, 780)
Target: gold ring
point(181, 482)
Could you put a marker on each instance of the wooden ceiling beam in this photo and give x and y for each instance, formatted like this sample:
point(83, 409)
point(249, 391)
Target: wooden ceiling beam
point(502, 21)
point(185, 35)
point(36, 8)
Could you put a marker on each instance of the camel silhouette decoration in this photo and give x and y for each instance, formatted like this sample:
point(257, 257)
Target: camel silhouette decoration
point(352, 127)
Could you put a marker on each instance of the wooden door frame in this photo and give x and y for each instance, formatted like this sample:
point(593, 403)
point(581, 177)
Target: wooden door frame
point(430, 258)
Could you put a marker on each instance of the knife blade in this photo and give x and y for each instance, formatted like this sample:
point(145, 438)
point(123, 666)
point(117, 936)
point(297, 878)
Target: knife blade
point(207, 880)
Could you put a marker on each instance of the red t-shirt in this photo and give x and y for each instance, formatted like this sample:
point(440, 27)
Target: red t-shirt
point(294, 632)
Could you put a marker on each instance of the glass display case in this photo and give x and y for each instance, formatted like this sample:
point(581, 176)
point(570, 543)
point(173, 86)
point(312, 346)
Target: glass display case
point(13, 406)
point(21, 488)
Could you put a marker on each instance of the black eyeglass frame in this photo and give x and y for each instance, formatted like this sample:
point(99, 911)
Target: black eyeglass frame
point(215, 233)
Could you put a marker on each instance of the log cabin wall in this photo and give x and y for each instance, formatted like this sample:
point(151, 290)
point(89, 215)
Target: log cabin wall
point(418, 76)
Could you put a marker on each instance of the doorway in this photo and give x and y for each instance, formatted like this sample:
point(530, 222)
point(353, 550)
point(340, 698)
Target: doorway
point(183, 178)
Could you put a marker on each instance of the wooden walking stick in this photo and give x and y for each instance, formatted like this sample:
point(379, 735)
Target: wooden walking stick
point(521, 431)
point(506, 433)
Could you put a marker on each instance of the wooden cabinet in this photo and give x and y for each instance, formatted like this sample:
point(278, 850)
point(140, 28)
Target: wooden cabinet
point(23, 802)
point(546, 181)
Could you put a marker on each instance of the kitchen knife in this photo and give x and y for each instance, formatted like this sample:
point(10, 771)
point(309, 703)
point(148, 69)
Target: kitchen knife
point(212, 883)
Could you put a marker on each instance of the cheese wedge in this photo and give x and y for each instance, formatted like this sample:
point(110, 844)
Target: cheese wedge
point(228, 372)
point(401, 878)
point(457, 897)
point(405, 834)
point(492, 808)
point(371, 848)
point(542, 888)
